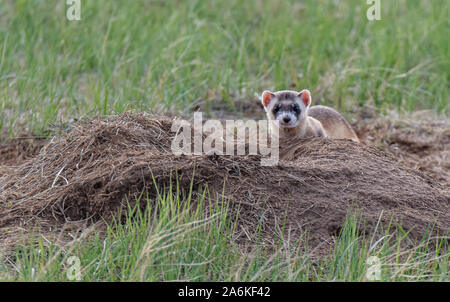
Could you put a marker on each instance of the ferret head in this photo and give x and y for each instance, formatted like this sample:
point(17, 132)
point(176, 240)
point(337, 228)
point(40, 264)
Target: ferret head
point(287, 107)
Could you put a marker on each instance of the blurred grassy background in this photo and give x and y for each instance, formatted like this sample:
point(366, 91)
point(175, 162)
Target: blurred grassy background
point(170, 56)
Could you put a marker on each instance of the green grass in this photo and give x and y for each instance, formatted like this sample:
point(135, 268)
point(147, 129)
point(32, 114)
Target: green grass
point(165, 55)
point(171, 240)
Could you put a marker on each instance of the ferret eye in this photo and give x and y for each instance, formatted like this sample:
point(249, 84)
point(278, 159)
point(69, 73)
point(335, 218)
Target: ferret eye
point(296, 108)
point(276, 108)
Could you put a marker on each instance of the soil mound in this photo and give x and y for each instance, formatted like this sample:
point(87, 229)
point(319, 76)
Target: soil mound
point(16, 151)
point(420, 141)
point(85, 176)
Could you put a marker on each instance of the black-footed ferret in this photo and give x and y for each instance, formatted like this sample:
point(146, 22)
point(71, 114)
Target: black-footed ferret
point(296, 119)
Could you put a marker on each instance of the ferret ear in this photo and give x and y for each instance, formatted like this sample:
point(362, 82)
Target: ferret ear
point(305, 95)
point(266, 97)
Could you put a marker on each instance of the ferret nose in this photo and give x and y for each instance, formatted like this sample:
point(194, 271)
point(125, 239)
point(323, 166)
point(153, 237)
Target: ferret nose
point(286, 119)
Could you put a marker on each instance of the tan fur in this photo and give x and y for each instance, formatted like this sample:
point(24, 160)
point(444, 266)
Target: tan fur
point(322, 122)
point(333, 123)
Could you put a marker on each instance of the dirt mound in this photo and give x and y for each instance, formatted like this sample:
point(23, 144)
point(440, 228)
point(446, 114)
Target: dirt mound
point(15, 151)
point(420, 141)
point(84, 177)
